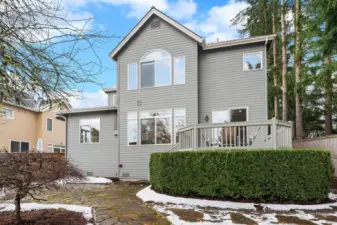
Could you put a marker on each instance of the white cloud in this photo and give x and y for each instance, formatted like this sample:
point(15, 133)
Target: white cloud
point(181, 9)
point(217, 24)
point(219, 20)
point(89, 99)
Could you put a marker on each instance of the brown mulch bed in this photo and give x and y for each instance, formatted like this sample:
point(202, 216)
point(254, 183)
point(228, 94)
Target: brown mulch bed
point(44, 217)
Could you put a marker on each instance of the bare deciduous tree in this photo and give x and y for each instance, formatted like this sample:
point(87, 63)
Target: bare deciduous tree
point(30, 174)
point(43, 49)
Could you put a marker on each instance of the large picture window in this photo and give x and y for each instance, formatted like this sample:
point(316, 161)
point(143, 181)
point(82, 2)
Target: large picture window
point(133, 76)
point(156, 127)
point(156, 69)
point(90, 130)
point(252, 61)
point(179, 122)
point(132, 128)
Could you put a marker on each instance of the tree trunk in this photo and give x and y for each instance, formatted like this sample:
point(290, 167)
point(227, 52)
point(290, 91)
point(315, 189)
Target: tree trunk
point(265, 17)
point(328, 100)
point(298, 65)
point(18, 208)
point(284, 64)
point(275, 65)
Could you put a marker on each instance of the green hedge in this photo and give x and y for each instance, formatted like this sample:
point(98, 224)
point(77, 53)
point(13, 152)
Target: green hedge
point(267, 175)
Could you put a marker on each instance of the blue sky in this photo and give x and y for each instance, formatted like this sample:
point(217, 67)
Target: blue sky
point(208, 18)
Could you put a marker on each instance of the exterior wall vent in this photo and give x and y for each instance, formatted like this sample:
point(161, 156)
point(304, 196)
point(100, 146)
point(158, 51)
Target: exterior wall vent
point(90, 174)
point(155, 24)
point(125, 174)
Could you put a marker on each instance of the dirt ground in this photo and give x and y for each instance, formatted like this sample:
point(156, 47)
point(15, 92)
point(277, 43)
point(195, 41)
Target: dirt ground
point(44, 217)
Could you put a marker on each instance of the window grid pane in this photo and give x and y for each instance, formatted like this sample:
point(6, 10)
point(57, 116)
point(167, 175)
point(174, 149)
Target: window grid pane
point(15, 146)
point(49, 125)
point(132, 128)
point(24, 147)
point(133, 76)
point(163, 72)
point(179, 70)
point(90, 130)
point(148, 74)
point(252, 61)
point(179, 122)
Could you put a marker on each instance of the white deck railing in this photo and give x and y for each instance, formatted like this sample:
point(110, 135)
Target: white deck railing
point(271, 134)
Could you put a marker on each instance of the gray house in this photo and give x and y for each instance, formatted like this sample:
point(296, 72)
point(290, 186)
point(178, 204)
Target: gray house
point(175, 92)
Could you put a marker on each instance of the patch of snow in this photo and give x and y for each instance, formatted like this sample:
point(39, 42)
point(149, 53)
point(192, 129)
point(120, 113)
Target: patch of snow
point(87, 180)
point(147, 195)
point(332, 196)
point(86, 211)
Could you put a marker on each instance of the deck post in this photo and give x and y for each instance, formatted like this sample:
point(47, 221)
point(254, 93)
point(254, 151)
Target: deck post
point(195, 137)
point(274, 132)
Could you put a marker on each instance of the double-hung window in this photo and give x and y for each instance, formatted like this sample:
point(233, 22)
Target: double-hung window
point(252, 61)
point(156, 69)
point(156, 127)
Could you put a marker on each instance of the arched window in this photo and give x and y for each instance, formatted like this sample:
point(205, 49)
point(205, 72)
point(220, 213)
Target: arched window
point(156, 69)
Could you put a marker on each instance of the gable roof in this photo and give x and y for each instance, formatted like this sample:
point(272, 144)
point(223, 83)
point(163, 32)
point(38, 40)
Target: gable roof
point(154, 11)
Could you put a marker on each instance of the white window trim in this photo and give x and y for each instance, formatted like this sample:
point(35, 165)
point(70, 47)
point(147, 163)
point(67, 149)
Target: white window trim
point(52, 147)
point(127, 135)
point(60, 147)
point(130, 89)
point(9, 118)
point(52, 124)
point(174, 75)
point(229, 109)
point(155, 127)
point(10, 142)
point(155, 72)
point(79, 129)
point(250, 53)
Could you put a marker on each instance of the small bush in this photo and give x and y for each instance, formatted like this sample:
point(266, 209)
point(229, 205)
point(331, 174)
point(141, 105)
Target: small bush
point(266, 175)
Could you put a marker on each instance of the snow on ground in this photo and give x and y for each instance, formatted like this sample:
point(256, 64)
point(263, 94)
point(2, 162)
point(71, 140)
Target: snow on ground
point(86, 211)
point(148, 195)
point(223, 212)
point(87, 180)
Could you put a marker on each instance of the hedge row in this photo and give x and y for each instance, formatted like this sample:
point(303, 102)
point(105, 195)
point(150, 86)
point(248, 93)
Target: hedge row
point(266, 175)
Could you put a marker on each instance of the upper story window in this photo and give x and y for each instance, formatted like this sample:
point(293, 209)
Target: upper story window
point(252, 61)
point(132, 76)
point(114, 99)
point(156, 69)
point(90, 130)
point(49, 124)
point(179, 70)
point(7, 113)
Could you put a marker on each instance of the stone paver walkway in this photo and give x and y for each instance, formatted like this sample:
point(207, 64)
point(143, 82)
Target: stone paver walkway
point(114, 203)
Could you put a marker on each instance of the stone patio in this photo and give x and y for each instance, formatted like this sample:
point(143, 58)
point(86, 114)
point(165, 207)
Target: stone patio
point(114, 203)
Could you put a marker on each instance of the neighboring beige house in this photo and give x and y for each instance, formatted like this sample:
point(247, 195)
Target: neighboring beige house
point(21, 127)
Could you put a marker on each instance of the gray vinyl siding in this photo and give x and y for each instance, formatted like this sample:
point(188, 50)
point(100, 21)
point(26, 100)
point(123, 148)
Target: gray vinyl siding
point(99, 158)
point(135, 159)
point(223, 84)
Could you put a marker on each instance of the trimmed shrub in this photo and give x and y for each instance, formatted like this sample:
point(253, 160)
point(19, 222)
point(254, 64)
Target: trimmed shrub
point(265, 175)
